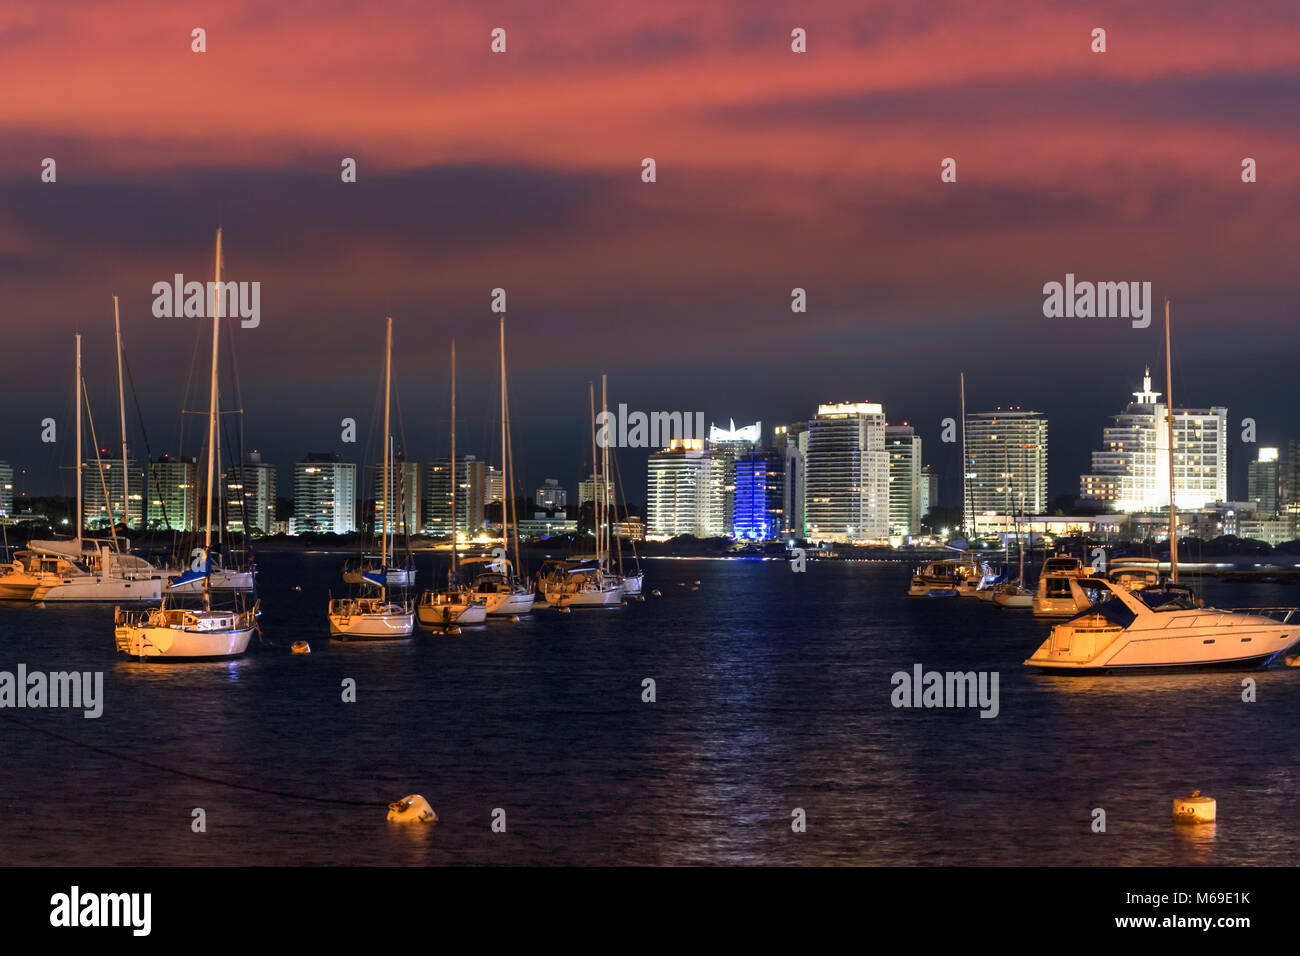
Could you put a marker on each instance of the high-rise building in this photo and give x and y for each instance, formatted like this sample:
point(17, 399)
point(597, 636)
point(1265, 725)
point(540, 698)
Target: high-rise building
point(255, 483)
point(928, 499)
point(587, 491)
point(1006, 463)
point(470, 494)
point(792, 442)
point(1131, 473)
point(684, 492)
point(6, 489)
point(727, 445)
point(847, 495)
point(105, 473)
point(1264, 480)
point(758, 513)
point(325, 495)
point(904, 447)
point(173, 498)
point(402, 500)
point(551, 497)
point(494, 485)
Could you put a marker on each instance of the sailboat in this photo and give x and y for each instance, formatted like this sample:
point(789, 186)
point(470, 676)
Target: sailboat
point(590, 582)
point(1163, 625)
point(495, 577)
point(1016, 595)
point(85, 569)
point(457, 604)
point(373, 617)
point(172, 631)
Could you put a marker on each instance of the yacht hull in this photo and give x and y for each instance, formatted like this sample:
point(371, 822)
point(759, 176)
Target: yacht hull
point(609, 597)
point(437, 615)
point(152, 643)
point(101, 589)
point(221, 581)
point(506, 604)
point(372, 627)
point(1191, 647)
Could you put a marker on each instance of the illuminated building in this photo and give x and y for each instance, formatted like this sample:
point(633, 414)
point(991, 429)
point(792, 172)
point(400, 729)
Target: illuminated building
point(6, 489)
point(847, 497)
point(587, 491)
point(758, 513)
point(551, 497)
point(325, 495)
point(1131, 471)
point(471, 496)
point(1263, 478)
point(684, 492)
point(98, 512)
point(905, 493)
point(727, 445)
point(255, 483)
point(792, 442)
point(403, 498)
point(173, 498)
point(1006, 462)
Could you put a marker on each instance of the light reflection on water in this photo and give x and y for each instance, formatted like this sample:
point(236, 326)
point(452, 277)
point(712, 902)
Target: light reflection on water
point(773, 693)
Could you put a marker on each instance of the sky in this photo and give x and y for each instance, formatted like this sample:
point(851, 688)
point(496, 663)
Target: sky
point(522, 170)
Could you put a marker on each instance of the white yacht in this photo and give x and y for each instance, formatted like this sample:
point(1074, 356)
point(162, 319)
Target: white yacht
point(1163, 626)
point(1053, 598)
point(935, 579)
point(452, 606)
point(581, 582)
point(376, 617)
point(181, 633)
point(1134, 573)
point(494, 579)
point(355, 570)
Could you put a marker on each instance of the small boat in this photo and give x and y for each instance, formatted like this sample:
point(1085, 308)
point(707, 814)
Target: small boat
point(356, 569)
point(1134, 573)
point(494, 579)
point(457, 604)
point(1013, 595)
point(376, 617)
point(181, 633)
point(936, 579)
point(1162, 627)
point(1054, 597)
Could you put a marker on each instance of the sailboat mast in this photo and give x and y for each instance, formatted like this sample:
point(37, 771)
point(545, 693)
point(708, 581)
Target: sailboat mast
point(505, 524)
point(212, 426)
point(455, 564)
point(80, 506)
point(595, 468)
point(604, 476)
point(1169, 419)
point(963, 451)
point(121, 409)
point(388, 386)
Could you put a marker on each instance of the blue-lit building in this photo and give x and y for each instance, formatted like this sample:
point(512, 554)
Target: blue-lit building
point(760, 496)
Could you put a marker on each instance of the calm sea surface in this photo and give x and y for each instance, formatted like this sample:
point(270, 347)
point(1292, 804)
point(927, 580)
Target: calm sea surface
point(773, 692)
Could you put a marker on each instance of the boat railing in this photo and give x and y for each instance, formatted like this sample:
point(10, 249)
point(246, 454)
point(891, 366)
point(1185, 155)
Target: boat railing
point(1282, 615)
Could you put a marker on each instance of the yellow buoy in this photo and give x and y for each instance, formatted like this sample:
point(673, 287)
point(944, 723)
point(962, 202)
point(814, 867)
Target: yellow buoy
point(1292, 660)
point(655, 593)
point(454, 629)
point(301, 647)
point(411, 809)
point(514, 618)
point(1194, 809)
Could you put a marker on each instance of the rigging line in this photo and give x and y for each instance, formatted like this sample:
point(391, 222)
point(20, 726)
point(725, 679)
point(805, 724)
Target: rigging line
point(203, 778)
point(139, 414)
point(108, 502)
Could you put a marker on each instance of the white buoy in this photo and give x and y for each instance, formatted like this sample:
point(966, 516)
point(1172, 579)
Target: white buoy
point(697, 583)
point(564, 610)
point(514, 618)
point(301, 647)
point(454, 629)
point(1194, 809)
point(297, 587)
point(656, 593)
point(411, 809)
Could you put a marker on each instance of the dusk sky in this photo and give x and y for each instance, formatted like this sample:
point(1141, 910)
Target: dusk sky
point(522, 170)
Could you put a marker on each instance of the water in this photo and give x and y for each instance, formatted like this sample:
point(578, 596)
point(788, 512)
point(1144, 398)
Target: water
point(773, 693)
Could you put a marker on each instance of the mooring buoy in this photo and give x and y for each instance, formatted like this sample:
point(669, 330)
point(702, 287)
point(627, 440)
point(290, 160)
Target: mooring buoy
point(301, 647)
point(1194, 809)
point(411, 809)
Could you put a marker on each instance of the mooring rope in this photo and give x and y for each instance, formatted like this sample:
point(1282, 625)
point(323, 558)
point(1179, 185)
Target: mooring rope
point(202, 778)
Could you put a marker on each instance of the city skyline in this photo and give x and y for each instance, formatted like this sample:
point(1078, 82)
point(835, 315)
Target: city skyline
point(776, 172)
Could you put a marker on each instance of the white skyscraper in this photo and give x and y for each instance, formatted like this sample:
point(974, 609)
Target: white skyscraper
point(684, 492)
point(1006, 453)
point(1131, 471)
point(325, 495)
point(847, 495)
